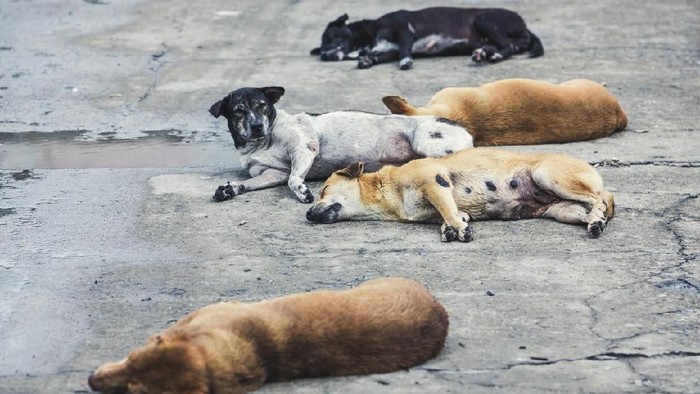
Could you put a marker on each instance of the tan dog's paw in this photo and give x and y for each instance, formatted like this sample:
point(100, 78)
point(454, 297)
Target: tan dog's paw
point(449, 233)
point(596, 228)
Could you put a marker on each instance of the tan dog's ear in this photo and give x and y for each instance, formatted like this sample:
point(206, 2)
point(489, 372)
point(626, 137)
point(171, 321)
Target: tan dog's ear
point(396, 104)
point(353, 171)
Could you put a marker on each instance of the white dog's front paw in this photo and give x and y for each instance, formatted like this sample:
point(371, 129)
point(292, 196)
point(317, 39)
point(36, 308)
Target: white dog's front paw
point(302, 191)
point(227, 192)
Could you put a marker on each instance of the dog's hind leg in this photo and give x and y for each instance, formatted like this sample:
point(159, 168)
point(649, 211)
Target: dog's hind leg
point(369, 58)
point(455, 226)
point(498, 26)
point(581, 185)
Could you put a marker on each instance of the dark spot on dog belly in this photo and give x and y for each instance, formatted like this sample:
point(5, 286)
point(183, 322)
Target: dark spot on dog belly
point(435, 134)
point(441, 181)
point(525, 200)
point(491, 186)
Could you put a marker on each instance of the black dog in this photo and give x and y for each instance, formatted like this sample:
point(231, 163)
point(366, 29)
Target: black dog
point(492, 34)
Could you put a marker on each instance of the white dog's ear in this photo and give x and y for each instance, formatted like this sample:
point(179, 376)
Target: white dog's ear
point(219, 107)
point(273, 93)
point(354, 170)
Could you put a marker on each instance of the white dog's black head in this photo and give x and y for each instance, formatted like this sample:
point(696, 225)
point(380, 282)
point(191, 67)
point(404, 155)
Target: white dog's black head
point(337, 41)
point(250, 113)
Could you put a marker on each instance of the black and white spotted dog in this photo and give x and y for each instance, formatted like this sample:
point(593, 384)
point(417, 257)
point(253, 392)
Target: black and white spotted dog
point(491, 34)
point(277, 147)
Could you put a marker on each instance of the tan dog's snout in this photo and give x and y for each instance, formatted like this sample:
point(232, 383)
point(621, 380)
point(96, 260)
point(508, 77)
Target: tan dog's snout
point(323, 213)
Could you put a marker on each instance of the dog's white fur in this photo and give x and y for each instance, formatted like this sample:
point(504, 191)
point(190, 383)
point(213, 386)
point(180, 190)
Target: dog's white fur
point(304, 146)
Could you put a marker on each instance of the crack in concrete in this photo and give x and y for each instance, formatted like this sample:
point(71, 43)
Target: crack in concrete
point(614, 162)
point(606, 356)
point(156, 67)
point(676, 215)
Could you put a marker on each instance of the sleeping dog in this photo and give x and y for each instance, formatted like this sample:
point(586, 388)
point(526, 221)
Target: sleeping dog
point(491, 34)
point(525, 111)
point(473, 184)
point(278, 147)
point(382, 325)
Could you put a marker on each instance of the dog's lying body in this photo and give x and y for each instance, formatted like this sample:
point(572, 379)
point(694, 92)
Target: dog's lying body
point(473, 184)
point(492, 34)
point(524, 111)
point(279, 148)
point(380, 326)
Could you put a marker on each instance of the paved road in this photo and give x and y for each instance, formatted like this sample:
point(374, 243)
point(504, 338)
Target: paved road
point(93, 260)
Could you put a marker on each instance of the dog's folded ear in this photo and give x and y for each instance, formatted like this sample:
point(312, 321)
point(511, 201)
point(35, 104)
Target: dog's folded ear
point(354, 170)
point(273, 93)
point(219, 107)
point(340, 21)
point(315, 52)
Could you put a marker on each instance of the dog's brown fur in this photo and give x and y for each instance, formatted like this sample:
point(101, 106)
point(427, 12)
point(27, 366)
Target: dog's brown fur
point(524, 111)
point(473, 184)
point(380, 326)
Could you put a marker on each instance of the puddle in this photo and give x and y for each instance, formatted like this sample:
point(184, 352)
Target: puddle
point(49, 151)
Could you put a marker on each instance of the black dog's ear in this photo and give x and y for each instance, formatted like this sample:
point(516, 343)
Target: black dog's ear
point(315, 52)
point(340, 21)
point(273, 93)
point(219, 107)
point(354, 170)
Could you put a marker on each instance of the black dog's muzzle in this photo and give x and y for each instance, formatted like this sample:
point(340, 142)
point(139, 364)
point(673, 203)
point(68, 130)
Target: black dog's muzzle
point(325, 214)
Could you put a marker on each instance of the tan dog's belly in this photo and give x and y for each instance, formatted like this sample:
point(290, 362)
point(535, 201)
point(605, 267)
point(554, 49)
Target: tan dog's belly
point(523, 111)
point(380, 326)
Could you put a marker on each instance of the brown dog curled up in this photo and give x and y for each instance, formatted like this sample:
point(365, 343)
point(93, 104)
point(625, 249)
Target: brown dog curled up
point(380, 326)
point(524, 111)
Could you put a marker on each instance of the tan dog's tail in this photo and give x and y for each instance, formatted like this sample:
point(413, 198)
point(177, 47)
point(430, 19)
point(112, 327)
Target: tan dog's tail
point(399, 105)
point(609, 204)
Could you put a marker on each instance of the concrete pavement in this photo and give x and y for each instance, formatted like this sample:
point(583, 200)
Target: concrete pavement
point(93, 260)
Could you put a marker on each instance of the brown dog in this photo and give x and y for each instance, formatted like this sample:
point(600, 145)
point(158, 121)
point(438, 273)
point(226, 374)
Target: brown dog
point(380, 326)
point(524, 111)
point(472, 184)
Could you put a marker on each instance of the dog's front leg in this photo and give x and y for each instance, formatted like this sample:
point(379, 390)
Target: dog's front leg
point(302, 159)
point(268, 178)
point(406, 39)
point(455, 224)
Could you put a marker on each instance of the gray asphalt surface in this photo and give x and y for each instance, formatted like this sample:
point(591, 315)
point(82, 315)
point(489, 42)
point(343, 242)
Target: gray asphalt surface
point(93, 260)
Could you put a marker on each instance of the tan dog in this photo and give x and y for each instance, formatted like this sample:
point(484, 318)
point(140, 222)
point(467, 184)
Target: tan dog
point(472, 184)
point(524, 111)
point(380, 326)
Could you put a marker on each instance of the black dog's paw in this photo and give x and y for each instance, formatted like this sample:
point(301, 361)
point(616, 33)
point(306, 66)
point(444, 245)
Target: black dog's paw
point(497, 57)
point(406, 63)
point(596, 228)
point(479, 55)
point(364, 62)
